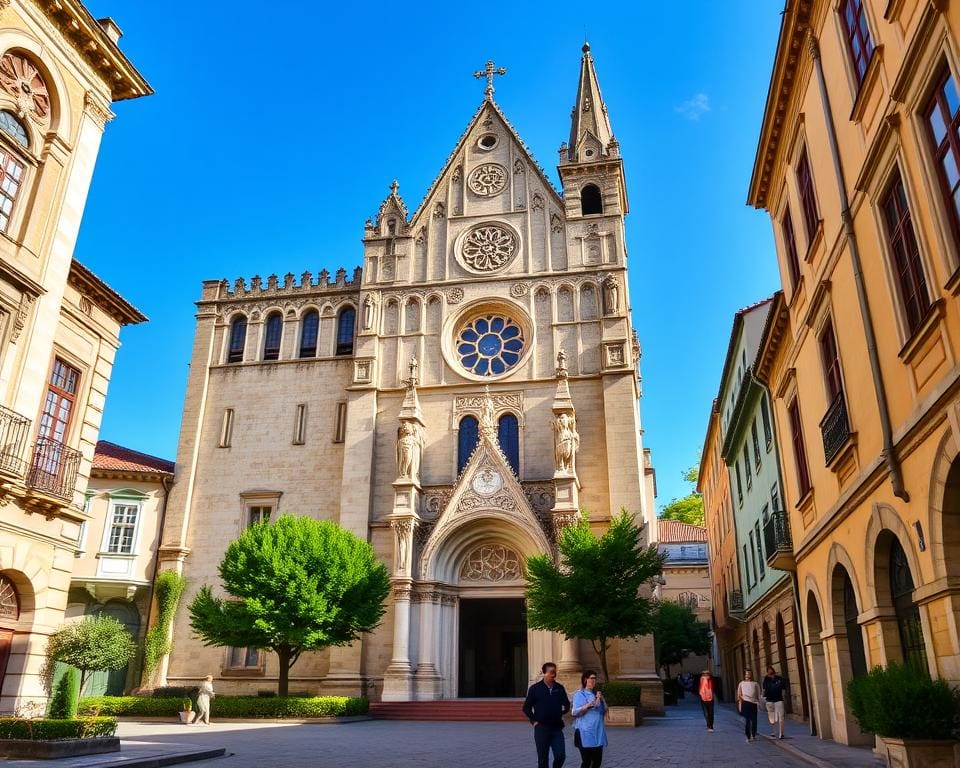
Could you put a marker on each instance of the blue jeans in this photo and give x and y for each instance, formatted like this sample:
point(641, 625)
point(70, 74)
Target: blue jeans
point(548, 739)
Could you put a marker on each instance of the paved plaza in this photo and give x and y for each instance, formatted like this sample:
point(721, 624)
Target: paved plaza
point(679, 739)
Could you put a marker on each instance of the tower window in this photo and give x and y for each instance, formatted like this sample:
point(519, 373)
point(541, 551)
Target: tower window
point(345, 327)
point(591, 201)
point(274, 331)
point(468, 438)
point(238, 338)
point(309, 328)
point(508, 435)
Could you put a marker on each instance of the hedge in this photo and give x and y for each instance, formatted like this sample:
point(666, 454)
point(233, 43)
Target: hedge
point(42, 729)
point(229, 706)
point(621, 694)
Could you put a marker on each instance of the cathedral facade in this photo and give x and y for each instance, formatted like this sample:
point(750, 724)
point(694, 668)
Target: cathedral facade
point(460, 397)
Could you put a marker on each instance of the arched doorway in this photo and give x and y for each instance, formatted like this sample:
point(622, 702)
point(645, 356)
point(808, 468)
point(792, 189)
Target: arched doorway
point(757, 663)
point(782, 669)
point(818, 669)
point(767, 651)
point(114, 682)
point(907, 611)
point(850, 657)
point(9, 618)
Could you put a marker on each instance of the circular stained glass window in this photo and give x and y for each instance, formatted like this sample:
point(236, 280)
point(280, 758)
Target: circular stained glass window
point(490, 345)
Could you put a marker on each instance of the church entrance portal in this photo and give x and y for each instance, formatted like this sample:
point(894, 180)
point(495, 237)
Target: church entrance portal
point(493, 647)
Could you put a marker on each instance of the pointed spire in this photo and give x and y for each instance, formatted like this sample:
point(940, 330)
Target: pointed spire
point(589, 116)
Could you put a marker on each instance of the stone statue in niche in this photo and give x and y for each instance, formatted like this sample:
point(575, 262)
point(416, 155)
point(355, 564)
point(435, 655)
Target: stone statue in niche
point(368, 313)
point(403, 529)
point(566, 442)
point(611, 295)
point(409, 448)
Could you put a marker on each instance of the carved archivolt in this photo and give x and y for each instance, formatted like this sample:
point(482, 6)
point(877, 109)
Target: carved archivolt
point(488, 179)
point(491, 562)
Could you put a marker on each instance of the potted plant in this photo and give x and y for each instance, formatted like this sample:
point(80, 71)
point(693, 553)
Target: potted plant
point(623, 703)
point(186, 711)
point(915, 718)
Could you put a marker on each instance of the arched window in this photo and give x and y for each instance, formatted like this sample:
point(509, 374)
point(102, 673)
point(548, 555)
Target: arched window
point(238, 339)
point(345, 326)
point(9, 602)
point(14, 128)
point(309, 328)
point(467, 440)
point(591, 201)
point(508, 435)
point(274, 332)
point(908, 613)
point(858, 659)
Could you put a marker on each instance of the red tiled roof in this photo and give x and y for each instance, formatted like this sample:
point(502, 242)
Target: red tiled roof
point(110, 457)
point(673, 531)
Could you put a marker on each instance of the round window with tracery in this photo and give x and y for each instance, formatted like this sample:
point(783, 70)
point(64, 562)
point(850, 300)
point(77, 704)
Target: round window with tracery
point(488, 247)
point(490, 345)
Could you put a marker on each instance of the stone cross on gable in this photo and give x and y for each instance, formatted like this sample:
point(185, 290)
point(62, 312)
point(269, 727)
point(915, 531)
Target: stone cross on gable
point(488, 72)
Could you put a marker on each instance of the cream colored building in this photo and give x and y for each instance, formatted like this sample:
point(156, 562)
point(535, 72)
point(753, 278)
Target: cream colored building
point(126, 498)
point(686, 576)
point(59, 324)
point(857, 167)
point(455, 401)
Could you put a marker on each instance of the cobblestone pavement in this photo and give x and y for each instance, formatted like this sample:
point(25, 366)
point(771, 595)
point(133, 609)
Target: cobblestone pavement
point(680, 739)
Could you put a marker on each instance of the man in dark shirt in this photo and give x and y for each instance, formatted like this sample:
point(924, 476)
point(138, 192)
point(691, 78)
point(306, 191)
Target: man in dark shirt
point(773, 687)
point(545, 706)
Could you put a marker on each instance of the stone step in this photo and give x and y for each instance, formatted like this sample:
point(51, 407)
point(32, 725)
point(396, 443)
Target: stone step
point(492, 710)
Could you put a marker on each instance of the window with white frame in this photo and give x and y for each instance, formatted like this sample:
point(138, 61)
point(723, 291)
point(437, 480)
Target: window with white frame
point(124, 515)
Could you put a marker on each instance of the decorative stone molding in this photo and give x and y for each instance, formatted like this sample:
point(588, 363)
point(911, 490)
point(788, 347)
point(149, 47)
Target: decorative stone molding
point(457, 174)
point(519, 290)
point(439, 211)
point(96, 110)
point(487, 247)
point(448, 599)
point(491, 562)
point(21, 79)
point(403, 531)
point(518, 168)
point(556, 224)
point(537, 201)
point(475, 403)
point(363, 370)
point(471, 500)
point(426, 597)
point(488, 179)
point(435, 500)
point(402, 592)
point(614, 354)
point(454, 295)
point(540, 496)
point(23, 312)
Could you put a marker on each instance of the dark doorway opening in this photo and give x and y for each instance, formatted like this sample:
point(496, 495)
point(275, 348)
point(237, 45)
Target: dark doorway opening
point(493, 648)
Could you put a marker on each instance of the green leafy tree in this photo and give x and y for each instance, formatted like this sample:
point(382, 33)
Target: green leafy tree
point(596, 592)
point(689, 508)
point(95, 644)
point(677, 634)
point(295, 585)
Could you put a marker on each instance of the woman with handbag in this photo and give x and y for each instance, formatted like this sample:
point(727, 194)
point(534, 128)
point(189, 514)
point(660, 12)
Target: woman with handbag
point(589, 733)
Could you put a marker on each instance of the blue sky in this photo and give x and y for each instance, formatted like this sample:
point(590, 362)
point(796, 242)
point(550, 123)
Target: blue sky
point(276, 130)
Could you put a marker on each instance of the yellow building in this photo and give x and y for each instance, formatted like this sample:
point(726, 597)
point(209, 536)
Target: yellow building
point(856, 166)
point(60, 69)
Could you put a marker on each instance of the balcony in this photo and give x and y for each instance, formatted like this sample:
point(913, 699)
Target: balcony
point(835, 428)
point(777, 542)
point(53, 469)
point(14, 429)
point(735, 604)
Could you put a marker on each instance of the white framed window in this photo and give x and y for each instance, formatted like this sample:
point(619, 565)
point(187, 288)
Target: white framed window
point(258, 514)
point(121, 531)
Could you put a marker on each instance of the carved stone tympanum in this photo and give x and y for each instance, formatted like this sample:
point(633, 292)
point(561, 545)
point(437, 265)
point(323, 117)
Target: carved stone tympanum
point(491, 562)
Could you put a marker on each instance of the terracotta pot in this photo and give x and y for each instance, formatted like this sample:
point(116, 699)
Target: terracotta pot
point(188, 716)
point(918, 753)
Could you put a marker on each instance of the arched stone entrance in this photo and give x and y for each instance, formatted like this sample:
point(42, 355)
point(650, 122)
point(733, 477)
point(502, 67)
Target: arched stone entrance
point(16, 620)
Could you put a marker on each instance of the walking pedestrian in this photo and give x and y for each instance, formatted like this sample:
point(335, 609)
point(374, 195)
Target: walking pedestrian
point(589, 733)
point(203, 700)
point(773, 688)
point(748, 699)
point(706, 697)
point(545, 706)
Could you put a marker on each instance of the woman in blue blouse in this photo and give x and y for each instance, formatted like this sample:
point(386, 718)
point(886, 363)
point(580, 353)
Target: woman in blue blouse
point(589, 734)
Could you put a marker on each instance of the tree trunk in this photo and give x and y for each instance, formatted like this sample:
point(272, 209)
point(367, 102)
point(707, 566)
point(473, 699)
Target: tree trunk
point(283, 685)
point(603, 659)
point(83, 681)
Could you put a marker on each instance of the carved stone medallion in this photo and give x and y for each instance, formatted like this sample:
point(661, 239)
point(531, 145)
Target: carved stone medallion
point(488, 179)
point(488, 247)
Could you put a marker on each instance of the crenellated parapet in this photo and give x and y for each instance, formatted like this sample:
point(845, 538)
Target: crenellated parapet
point(287, 286)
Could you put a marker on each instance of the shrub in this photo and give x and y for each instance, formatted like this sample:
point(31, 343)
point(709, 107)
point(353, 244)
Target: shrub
point(622, 694)
point(174, 691)
point(902, 702)
point(168, 589)
point(230, 706)
point(63, 704)
point(51, 729)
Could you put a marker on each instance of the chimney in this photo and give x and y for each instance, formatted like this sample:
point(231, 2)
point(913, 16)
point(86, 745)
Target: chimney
point(110, 27)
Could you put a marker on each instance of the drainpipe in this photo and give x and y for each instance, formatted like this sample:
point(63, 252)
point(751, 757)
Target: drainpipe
point(166, 483)
point(889, 453)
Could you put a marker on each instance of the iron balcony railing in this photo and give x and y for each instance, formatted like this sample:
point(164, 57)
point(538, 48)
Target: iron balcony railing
point(53, 468)
point(835, 428)
point(688, 600)
point(14, 429)
point(776, 535)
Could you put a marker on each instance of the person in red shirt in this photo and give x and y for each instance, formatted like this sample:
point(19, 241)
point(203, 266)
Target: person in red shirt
point(706, 697)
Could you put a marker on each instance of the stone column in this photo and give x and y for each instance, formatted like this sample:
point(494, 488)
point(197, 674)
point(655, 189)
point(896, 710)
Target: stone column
point(569, 667)
point(398, 677)
point(428, 679)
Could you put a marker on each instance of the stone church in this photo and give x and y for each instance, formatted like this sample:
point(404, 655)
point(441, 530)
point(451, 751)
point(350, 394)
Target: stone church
point(456, 400)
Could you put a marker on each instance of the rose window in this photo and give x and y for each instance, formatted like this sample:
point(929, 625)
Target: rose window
point(490, 345)
point(488, 248)
point(22, 80)
point(488, 179)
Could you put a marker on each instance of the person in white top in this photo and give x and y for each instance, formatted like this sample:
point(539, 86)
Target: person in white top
point(748, 699)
